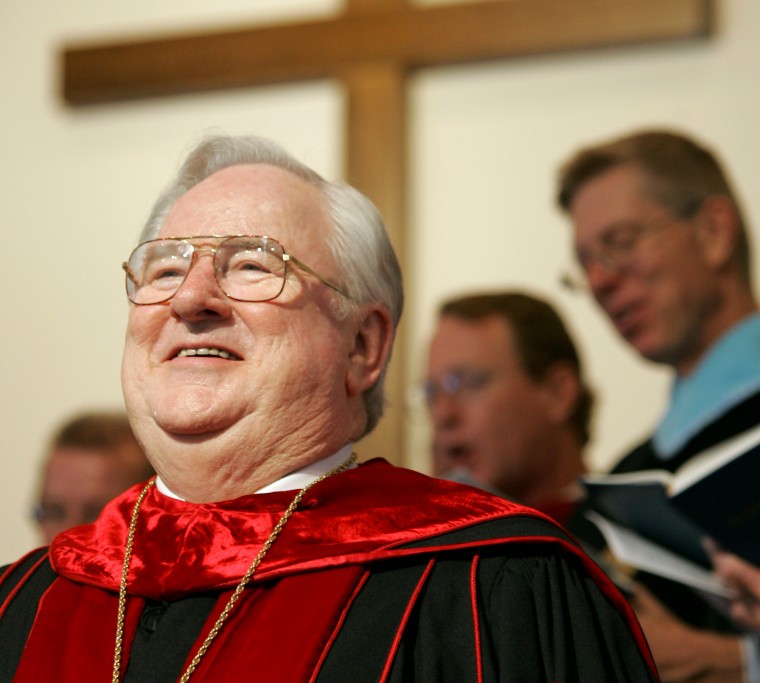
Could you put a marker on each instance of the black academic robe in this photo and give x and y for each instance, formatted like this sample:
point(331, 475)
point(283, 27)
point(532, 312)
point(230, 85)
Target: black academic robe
point(737, 419)
point(381, 574)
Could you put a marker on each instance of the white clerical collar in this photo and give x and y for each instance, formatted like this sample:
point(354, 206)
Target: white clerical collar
point(294, 480)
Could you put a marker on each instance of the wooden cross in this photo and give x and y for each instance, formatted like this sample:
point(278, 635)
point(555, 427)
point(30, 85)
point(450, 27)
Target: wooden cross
point(371, 48)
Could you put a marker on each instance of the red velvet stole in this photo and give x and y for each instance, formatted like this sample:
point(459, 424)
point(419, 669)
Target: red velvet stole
point(278, 633)
point(350, 520)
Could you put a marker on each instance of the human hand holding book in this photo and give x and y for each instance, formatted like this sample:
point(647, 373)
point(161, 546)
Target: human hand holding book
point(743, 579)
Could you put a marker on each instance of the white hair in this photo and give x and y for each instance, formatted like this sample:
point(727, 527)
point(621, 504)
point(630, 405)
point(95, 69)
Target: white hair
point(359, 243)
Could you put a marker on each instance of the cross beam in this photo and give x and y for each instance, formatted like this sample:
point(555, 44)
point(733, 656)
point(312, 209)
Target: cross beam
point(370, 48)
point(403, 35)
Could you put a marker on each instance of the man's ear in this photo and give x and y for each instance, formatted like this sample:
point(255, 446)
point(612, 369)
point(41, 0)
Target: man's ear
point(718, 230)
point(562, 388)
point(371, 348)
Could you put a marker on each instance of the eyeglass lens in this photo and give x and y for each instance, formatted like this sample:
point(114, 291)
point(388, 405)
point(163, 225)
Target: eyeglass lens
point(246, 268)
point(456, 383)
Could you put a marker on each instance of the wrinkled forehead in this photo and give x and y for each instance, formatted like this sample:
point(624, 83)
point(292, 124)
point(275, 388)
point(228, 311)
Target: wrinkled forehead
point(252, 199)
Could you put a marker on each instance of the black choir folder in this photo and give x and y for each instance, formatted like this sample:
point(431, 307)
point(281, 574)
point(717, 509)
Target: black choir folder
point(716, 494)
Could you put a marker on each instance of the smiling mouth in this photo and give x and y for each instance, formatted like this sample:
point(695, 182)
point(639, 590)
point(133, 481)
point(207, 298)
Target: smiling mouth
point(621, 315)
point(626, 320)
point(208, 351)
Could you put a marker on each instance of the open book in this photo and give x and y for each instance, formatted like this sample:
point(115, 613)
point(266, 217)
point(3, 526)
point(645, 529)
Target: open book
point(716, 494)
point(633, 550)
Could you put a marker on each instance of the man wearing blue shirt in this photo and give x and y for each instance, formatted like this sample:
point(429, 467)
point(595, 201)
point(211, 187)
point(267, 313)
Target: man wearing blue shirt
point(659, 236)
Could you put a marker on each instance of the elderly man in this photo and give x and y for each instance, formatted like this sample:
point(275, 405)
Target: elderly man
point(663, 246)
point(263, 550)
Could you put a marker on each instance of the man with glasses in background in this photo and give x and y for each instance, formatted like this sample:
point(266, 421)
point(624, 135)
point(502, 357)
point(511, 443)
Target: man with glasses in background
point(92, 457)
point(509, 406)
point(262, 550)
point(663, 247)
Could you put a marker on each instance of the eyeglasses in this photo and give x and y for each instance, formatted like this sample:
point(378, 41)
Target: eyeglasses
point(60, 514)
point(457, 383)
point(247, 268)
point(615, 252)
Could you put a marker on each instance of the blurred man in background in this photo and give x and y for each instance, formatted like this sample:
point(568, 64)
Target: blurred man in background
point(663, 249)
point(92, 458)
point(508, 402)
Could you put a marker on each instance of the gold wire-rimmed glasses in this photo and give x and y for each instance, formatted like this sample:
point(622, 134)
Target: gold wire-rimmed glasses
point(615, 251)
point(251, 268)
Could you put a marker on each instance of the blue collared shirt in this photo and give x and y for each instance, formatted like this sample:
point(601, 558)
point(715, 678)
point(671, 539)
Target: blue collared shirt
point(728, 374)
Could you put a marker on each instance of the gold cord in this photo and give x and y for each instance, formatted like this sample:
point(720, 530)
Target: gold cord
point(123, 583)
point(235, 595)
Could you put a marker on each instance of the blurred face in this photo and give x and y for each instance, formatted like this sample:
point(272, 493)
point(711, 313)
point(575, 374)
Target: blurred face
point(496, 424)
point(661, 298)
point(76, 484)
point(277, 369)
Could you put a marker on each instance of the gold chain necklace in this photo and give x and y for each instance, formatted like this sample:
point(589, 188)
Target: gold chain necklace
point(235, 595)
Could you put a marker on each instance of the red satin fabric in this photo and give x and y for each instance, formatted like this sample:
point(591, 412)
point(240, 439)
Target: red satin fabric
point(351, 519)
point(73, 637)
point(185, 547)
point(182, 548)
point(294, 618)
point(290, 622)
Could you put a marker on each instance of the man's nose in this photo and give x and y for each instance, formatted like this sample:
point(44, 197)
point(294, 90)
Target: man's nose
point(200, 296)
point(601, 278)
point(444, 409)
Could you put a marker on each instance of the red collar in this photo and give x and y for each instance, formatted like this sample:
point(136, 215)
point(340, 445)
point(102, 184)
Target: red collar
point(356, 516)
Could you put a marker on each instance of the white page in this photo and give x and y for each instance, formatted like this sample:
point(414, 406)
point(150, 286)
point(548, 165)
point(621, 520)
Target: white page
point(714, 458)
point(636, 551)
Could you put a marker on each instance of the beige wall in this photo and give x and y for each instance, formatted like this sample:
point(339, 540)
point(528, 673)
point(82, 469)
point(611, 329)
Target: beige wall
point(76, 186)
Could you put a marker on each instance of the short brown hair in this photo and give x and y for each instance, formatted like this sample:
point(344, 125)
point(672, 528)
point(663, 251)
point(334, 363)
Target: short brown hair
point(102, 430)
point(680, 174)
point(541, 336)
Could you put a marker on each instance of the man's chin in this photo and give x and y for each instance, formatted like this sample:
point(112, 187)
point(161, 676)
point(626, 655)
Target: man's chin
point(194, 424)
point(647, 349)
point(639, 341)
